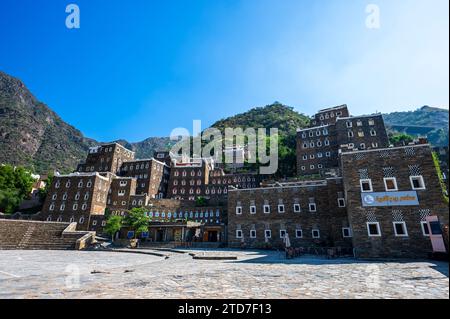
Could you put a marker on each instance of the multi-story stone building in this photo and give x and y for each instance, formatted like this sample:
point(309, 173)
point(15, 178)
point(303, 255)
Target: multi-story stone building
point(120, 194)
point(152, 176)
point(390, 193)
point(318, 147)
point(76, 197)
point(312, 213)
point(188, 178)
point(106, 158)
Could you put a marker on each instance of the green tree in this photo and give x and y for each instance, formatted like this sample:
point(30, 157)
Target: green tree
point(113, 225)
point(137, 221)
point(15, 185)
point(400, 139)
point(200, 201)
point(48, 182)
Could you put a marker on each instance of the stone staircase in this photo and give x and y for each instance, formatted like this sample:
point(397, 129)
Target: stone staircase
point(34, 235)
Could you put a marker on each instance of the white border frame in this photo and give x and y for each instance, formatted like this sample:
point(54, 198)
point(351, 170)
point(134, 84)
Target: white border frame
point(242, 233)
point(422, 223)
point(378, 228)
point(404, 227)
point(312, 233)
point(421, 179)
point(349, 232)
point(237, 209)
point(366, 180)
point(395, 182)
point(264, 209)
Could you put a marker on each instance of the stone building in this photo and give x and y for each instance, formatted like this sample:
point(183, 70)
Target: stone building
point(120, 194)
point(188, 178)
point(390, 192)
point(152, 176)
point(318, 147)
point(312, 213)
point(106, 158)
point(76, 198)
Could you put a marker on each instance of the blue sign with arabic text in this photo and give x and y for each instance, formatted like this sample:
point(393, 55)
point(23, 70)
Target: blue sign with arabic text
point(408, 198)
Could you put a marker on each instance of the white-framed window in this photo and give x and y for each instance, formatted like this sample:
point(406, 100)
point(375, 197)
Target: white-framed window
point(77, 196)
point(81, 221)
point(360, 134)
point(417, 182)
point(311, 133)
point(282, 233)
point(319, 166)
point(239, 233)
point(315, 233)
point(64, 196)
point(350, 133)
point(57, 184)
point(303, 135)
point(299, 233)
point(52, 207)
point(362, 146)
point(375, 145)
point(305, 145)
point(238, 210)
point(359, 123)
point(341, 202)
point(371, 122)
point(303, 168)
point(266, 209)
point(62, 207)
point(312, 207)
point(400, 229)
point(373, 132)
point(252, 209)
point(305, 157)
point(319, 143)
point(75, 206)
point(351, 145)
point(328, 154)
point(312, 156)
point(327, 142)
point(311, 144)
point(297, 208)
point(123, 183)
point(311, 166)
point(84, 206)
point(267, 233)
point(281, 208)
point(54, 196)
point(104, 223)
point(121, 192)
point(366, 185)
point(349, 124)
point(346, 232)
point(49, 218)
point(319, 155)
point(425, 228)
point(94, 223)
point(252, 233)
point(373, 229)
point(390, 184)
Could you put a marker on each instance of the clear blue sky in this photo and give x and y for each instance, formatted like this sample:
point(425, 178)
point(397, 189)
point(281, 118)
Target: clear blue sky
point(141, 68)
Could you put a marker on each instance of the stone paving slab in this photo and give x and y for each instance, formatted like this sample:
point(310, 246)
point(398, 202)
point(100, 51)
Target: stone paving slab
point(71, 274)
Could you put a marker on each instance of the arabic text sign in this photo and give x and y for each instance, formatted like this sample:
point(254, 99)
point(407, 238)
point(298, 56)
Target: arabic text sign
point(390, 199)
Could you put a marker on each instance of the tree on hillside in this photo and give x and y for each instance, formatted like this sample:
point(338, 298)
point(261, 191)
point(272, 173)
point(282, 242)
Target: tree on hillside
point(397, 139)
point(137, 221)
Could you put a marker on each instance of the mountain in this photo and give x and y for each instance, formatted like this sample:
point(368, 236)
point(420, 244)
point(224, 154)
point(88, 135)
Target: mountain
point(31, 134)
point(275, 115)
point(427, 121)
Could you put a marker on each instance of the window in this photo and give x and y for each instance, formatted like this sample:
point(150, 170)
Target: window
point(298, 233)
point(282, 233)
point(360, 134)
point(319, 166)
point(315, 233)
point(305, 157)
point(417, 182)
point(328, 154)
point(303, 168)
point(81, 220)
point(425, 228)
point(121, 192)
point(312, 156)
point(366, 185)
point(123, 183)
point(104, 223)
point(94, 223)
point(390, 184)
point(327, 142)
point(400, 229)
point(311, 144)
point(349, 124)
point(341, 202)
point(319, 155)
point(373, 133)
point(362, 146)
point(239, 233)
point(80, 184)
point(312, 207)
point(311, 166)
point(268, 233)
point(359, 123)
point(252, 233)
point(303, 135)
point(346, 232)
point(252, 209)
point(374, 145)
point(266, 209)
point(297, 208)
point(75, 206)
point(54, 196)
point(52, 207)
point(238, 210)
point(373, 229)
point(281, 208)
point(84, 206)
point(350, 134)
point(371, 122)
point(305, 145)
point(319, 143)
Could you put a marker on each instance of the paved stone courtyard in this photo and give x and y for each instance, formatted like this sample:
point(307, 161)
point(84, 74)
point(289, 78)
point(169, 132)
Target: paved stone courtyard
point(255, 274)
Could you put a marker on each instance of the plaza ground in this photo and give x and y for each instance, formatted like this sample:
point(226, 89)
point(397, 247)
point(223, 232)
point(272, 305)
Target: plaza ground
point(255, 274)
